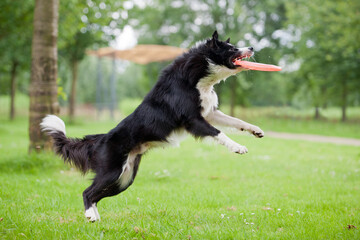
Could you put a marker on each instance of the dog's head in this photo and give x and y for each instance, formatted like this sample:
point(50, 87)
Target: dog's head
point(223, 53)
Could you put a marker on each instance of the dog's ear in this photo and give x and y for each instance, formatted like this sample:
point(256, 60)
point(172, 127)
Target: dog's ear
point(228, 40)
point(215, 35)
point(212, 42)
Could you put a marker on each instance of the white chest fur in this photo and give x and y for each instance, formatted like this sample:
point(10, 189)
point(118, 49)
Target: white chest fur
point(208, 98)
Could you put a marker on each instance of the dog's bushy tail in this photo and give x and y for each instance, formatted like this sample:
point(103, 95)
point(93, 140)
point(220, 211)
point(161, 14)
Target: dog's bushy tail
point(74, 151)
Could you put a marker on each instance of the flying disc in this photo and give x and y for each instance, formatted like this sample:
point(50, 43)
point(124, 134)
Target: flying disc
point(257, 66)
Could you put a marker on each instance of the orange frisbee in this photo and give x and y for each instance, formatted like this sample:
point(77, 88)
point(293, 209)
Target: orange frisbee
point(257, 66)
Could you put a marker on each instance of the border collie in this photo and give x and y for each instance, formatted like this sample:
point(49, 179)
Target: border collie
point(182, 101)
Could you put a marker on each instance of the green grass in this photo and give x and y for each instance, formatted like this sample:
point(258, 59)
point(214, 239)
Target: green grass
point(284, 119)
point(21, 105)
point(281, 189)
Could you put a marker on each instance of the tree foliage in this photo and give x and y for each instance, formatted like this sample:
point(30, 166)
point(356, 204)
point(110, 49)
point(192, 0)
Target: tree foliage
point(183, 23)
point(317, 42)
point(15, 44)
point(329, 50)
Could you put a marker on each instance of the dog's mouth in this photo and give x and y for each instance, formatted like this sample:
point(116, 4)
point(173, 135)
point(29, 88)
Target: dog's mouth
point(240, 57)
point(238, 61)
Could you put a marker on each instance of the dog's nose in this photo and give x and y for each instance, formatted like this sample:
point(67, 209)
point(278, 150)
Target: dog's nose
point(251, 48)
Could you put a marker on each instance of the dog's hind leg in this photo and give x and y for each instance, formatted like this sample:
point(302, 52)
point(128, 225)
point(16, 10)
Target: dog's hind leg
point(110, 184)
point(92, 212)
point(100, 184)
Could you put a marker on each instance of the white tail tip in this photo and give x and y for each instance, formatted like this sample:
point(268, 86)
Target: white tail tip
point(52, 123)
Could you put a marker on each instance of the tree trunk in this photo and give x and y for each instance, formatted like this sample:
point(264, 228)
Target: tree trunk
point(13, 89)
point(343, 113)
point(317, 113)
point(74, 69)
point(99, 87)
point(43, 88)
point(344, 100)
point(112, 90)
point(233, 87)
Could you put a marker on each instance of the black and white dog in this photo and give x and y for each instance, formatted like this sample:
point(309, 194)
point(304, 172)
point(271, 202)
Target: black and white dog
point(182, 101)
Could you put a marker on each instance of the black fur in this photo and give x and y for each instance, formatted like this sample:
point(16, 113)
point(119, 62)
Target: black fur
point(173, 103)
point(76, 151)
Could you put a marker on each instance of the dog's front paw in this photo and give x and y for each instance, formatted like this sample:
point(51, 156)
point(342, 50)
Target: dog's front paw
point(256, 131)
point(237, 148)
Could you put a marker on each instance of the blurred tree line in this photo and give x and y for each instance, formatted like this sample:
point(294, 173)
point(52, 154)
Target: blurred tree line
point(317, 42)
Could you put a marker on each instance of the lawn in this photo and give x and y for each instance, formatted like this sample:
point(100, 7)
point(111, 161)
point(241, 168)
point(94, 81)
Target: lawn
point(281, 189)
point(287, 119)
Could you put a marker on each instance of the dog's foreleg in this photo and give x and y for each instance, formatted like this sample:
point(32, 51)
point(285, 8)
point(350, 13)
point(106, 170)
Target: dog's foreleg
point(201, 128)
point(218, 118)
point(222, 139)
